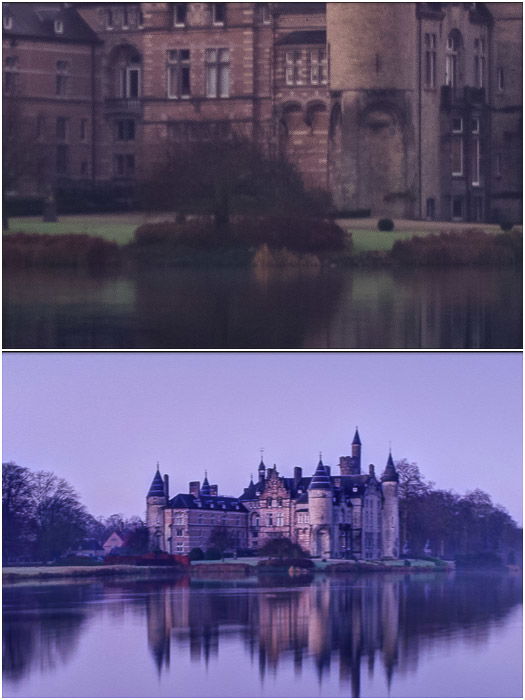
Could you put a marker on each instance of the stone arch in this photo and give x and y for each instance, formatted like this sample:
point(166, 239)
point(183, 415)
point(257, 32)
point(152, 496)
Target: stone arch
point(315, 115)
point(124, 71)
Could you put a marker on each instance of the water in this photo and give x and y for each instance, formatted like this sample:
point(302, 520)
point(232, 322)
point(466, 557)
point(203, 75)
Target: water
point(418, 635)
point(277, 308)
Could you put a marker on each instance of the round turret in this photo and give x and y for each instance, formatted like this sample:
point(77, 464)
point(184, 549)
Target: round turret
point(320, 510)
point(156, 501)
point(390, 522)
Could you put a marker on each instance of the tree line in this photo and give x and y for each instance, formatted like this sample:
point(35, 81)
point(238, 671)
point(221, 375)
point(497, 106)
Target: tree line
point(43, 518)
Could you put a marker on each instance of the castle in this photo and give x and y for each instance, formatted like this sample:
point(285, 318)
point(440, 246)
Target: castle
point(346, 515)
point(407, 109)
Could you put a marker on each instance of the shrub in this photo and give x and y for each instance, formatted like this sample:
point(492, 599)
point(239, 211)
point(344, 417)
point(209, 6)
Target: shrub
point(286, 563)
point(196, 554)
point(385, 225)
point(61, 250)
point(213, 554)
point(506, 225)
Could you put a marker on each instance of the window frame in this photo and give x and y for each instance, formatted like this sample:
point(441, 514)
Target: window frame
point(218, 8)
point(430, 41)
point(217, 67)
point(178, 74)
point(180, 6)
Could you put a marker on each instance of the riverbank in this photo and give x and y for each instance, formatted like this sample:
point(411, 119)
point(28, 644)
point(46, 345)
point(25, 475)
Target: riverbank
point(242, 567)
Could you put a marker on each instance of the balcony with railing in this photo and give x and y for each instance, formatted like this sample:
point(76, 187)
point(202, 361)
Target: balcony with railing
point(123, 105)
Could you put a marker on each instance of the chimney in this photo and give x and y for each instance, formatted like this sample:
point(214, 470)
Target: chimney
point(345, 466)
point(195, 488)
point(214, 490)
point(297, 475)
point(371, 470)
point(328, 469)
point(167, 486)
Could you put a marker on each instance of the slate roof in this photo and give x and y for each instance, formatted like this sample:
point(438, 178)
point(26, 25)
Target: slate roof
point(390, 473)
point(157, 485)
point(357, 439)
point(36, 20)
point(216, 503)
point(311, 36)
point(321, 479)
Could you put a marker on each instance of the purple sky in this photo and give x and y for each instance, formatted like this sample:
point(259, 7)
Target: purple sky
point(102, 420)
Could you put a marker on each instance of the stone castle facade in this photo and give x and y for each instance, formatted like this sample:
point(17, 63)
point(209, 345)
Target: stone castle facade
point(351, 514)
point(403, 109)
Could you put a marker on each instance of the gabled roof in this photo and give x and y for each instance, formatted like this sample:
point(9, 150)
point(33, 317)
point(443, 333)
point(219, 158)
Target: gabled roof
point(311, 36)
point(36, 20)
point(215, 503)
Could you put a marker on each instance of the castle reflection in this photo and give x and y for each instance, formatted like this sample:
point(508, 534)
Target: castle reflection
point(370, 621)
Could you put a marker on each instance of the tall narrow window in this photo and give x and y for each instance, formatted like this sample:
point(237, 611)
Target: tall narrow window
point(293, 67)
point(431, 208)
point(180, 11)
point(7, 21)
point(10, 75)
point(61, 80)
point(109, 19)
point(178, 70)
point(500, 79)
point(452, 59)
point(217, 72)
point(83, 129)
point(61, 129)
point(62, 158)
point(125, 130)
point(497, 165)
point(58, 26)
point(479, 62)
point(318, 67)
point(475, 152)
point(265, 14)
point(430, 60)
point(218, 11)
point(457, 208)
point(457, 146)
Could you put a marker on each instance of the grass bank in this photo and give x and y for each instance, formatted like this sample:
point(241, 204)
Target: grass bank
point(43, 573)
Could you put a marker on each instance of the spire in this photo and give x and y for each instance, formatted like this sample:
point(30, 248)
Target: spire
point(205, 489)
point(320, 479)
point(390, 473)
point(357, 439)
point(157, 485)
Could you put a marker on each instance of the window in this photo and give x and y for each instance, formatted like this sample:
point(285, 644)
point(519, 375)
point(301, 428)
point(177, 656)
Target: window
point(279, 521)
point(129, 77)
point(457, 208)
point(430, 60)
point(497, 165)
point(218, 13)
point(431, 208)
point(452, 59)
point(457, 155)
point(180, 12)
point(217, 72)
point(475, 125)
point(475, 152)
point(178, 519)
point(457, 125)
point(179, 532)
point(479, 62)
point(178, 73)
point(109, 19)
point(293, 68)
point(125, 130)
point(318, 72)
point(268, 502)
point(266, 16)
point(270, 519)
point(500, 79)
point(478, 209)
point(10, 75)
point(62, 159)
point(61, 128)
point(179, 547)
point(61, 79)
point(59, 26)
point(83, 129)
point(7, 21)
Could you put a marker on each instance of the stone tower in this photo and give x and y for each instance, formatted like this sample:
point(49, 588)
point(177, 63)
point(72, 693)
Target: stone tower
point(320, 508)
point(156, 501)
point(350, 466)
point(390, 519)
point(373, 73)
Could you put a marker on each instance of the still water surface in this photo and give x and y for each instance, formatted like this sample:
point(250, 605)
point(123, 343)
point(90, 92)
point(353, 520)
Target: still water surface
point(275, 308)
point(419, 635)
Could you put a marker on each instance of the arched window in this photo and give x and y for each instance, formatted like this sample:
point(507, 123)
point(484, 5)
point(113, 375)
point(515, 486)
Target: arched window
point(453, 58)
point(126, 68)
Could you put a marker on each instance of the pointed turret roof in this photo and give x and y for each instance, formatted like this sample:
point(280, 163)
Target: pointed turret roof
point(157, 485)
point(321, 478)
point(390, 473)
point(357, 439)
point(205, 489)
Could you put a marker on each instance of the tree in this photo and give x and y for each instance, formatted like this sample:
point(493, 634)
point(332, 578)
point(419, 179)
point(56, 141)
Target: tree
point(222, 539)
point(16, 511)
point(220, 175)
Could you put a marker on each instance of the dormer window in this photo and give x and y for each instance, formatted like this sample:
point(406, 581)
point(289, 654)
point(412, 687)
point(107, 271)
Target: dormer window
point(59, 26)
point(180, 12)
point(266, 16)
point(218, 13)
point(7, 21)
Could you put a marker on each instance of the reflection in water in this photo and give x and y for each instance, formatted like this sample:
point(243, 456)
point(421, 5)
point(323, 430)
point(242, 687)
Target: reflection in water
point(277, 308)
point(378, 625)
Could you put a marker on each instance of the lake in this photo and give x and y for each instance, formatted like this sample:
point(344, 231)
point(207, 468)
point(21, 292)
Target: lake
point(398, 635)
point(174, 308)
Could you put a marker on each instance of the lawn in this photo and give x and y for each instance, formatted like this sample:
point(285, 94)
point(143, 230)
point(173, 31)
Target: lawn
point(120, 228)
